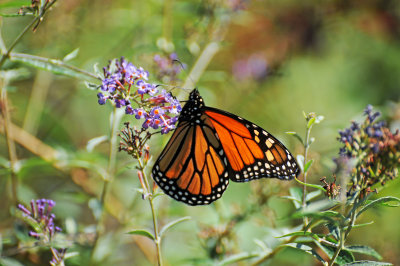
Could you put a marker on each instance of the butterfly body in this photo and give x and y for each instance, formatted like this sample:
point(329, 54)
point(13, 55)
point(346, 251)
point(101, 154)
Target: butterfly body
point(210, 147)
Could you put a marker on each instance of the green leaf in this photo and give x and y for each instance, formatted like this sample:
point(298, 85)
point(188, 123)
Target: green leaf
point(308, 164)
point(173, 223)
point(360, 225)
point(297, 136)
point(314, 223)
point(71, 55)
point(364, 250)
point(300, 161)
point(297, 196)
point(296, 202)
point(379, 201)
point(313, 194)
point(238, 257)
point(343, 257)
point(311, 122)
point(321, 205)
point(52, 65)
point(306, 249)
point(330, 216)
point(142, 232)
point(92, 143)
point(368, 263)
point(71, 255)
point(302, 233)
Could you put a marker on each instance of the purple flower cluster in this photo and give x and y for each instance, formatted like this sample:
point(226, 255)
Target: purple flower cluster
point(124, 84)
point(41, 218)
point(357, 136)
point(373, 148)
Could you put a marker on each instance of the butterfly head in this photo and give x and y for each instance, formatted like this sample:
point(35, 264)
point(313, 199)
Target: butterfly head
point(194, 94)
point(193, 106)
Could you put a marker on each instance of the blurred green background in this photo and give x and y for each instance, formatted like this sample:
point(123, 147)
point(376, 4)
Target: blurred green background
point(271, 61)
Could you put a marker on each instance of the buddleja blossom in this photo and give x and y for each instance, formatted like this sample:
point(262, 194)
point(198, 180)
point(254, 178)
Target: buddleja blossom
point(372, 151)
point(40, 218)
point(127, 86)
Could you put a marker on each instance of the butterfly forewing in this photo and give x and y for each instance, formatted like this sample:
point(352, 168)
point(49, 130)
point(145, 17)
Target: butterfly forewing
point(211, 146)
point(252, 152)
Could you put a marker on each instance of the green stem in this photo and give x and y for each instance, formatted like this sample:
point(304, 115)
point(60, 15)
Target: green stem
point(157, 239)
point(110, 175)
point(306, 147)
point(343, 236)
point(55, 62)
point(167, 20)
point(12, 152)
point(19, 37)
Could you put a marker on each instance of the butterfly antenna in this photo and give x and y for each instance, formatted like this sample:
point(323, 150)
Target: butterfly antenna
point(185, 70)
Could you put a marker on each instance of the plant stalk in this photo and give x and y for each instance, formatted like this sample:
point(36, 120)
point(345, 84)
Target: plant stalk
point(19, 37)
point(157, 239)
point(12, 152)
point(306, 147)
point(110, 175)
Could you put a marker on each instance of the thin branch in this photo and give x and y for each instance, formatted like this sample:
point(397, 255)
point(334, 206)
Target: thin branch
point(12, 152)
point(55, 62)
point(19, 37)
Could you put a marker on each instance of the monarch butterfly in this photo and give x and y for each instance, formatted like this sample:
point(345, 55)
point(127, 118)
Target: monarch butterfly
point(209, 147)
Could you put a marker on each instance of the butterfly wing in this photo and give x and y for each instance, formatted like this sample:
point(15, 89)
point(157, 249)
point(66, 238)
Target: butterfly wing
point(251, 151)
point(209, 147)
point(190, 168)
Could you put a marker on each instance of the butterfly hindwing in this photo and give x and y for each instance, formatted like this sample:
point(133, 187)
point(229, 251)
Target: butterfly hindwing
point(191, 168)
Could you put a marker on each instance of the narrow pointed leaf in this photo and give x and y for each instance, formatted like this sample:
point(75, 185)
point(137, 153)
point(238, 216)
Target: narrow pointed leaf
point(311, 122)
point(142, 232)
point(94, 142)
point(71, 55)
point(364, 250)
point(300, 161)
point(308, 164)
point(296, 196)
point(238, 257)
point(344, 256)
point(173, 223)
point(297, 136)
point(313, 194)
point(368, 263)
point(302, 233)
point(379, 201)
